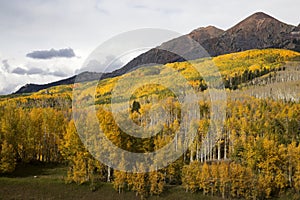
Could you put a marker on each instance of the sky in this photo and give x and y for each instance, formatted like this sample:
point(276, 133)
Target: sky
point(47, 40)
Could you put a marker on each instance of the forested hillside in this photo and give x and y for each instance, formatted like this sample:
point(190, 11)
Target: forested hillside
point(255, 156)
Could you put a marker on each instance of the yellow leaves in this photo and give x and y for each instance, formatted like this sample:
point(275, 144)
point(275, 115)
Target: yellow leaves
point(191, 176)
point(280, 180)
point(157, 182)
point(78, 170)
point(224, 177)
point(106, 86)
point(253, 60)
point(7, 158)
point(265, 182)
point(229, 179)
point(70, 141)
point(296, 178)
point(271, 177)
point(204, 179)
point(236, 176)
point(120, 179)
point(254, 67)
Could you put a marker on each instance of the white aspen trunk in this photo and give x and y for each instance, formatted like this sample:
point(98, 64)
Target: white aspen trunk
point(201, 155)
point(108, 173)
point(219, 151)
point(176, 142)
point(191, 155)
point(205, 151)
point(210, 149)
point(225, 148)
point(197, 151)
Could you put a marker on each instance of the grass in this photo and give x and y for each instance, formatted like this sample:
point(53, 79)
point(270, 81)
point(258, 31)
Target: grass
point(49, 184)
point(38, 181)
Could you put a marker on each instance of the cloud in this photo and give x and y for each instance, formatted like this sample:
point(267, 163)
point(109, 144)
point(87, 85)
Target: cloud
point(58, 73)
point(110, 63)
point(19, 71)
point(34, 70)
point(5, 65)
point(37, 71)
point(52, 53)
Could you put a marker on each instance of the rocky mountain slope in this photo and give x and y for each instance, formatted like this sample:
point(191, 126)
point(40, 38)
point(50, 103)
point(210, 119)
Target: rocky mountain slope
point(259, 31)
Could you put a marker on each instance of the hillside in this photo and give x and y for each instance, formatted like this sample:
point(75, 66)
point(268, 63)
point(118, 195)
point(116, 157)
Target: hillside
point(239, 70)
point(258, 31)
point(254, 153)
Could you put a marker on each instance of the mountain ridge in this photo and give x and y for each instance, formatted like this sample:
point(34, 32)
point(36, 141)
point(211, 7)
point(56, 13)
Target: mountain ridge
point(258, 31)
point(82, 77)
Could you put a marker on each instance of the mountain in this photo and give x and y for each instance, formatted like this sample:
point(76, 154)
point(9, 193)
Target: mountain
point(180, 46)
point(258, 31)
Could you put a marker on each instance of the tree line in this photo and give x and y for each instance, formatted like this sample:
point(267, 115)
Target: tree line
point(255, 156)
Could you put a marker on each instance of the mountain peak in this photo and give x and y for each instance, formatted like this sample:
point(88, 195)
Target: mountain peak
point(260, 15)
point(256, 20)
point(203, 33)
point(207, 28)
point(260, 22)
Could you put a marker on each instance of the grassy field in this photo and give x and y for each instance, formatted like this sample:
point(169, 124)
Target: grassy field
point(49, 184)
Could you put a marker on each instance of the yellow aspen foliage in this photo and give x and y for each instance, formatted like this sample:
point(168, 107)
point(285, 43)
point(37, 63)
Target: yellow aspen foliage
point(215, 179)
point(236, 180)
point(140, 184)
point(191, 175)
point(120, 179)
point(296, 179)
point(157, 182)
point(78, 170)
point(7, 158)
point(204, 179)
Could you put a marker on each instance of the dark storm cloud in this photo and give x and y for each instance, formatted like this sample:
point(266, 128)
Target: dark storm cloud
point(52, 53)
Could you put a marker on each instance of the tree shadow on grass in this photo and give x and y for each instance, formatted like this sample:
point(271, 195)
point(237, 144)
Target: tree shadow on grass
point(33, 169)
